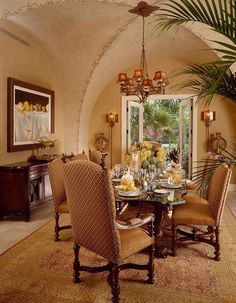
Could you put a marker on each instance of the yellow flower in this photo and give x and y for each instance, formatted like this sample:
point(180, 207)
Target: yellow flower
point(132, 149)
point(148, 153)
point(146, 144)
point(127, 159)
point(143, 155)
point(147, 150)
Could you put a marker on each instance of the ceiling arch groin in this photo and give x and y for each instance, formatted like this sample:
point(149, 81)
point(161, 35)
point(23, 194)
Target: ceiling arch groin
point(89, 42)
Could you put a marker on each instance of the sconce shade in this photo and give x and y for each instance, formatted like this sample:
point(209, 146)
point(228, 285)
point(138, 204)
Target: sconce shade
point(111, 119)
point(208, 116)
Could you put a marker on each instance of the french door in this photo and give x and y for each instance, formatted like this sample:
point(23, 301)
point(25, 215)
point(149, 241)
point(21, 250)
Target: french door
point(134, 132)
point(186, 135)
point(133, 126)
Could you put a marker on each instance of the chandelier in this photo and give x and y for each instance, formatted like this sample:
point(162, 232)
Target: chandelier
point(141, 85)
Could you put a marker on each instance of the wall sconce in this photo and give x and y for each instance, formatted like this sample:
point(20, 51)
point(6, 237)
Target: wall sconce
point(207, 117)
point(111, 119)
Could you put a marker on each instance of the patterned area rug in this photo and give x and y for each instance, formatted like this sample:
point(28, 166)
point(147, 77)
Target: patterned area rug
point(39, 270)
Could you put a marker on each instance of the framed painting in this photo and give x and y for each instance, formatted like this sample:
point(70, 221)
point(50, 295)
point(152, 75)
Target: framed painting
point(30, 114)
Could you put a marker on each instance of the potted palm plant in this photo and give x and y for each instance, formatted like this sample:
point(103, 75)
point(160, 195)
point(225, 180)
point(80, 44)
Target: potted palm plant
point(214, 77)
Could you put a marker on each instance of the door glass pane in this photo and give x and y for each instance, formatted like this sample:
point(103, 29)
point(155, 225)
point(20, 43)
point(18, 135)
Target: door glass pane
point(134, 124)
point(161, 123)
point(185, 141)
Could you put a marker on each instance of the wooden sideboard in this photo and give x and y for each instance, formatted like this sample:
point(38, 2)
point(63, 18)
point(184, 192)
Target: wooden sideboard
point(22, 186)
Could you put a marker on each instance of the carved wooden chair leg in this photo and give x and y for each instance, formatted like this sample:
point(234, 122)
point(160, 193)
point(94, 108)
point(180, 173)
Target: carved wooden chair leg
point(115, 286)
point(151, 256)
point(211, 230)
point(173, 242)
point(57, 229)
point(217, 244)
point(151, 264)
point(76, 264)
point(194, 234)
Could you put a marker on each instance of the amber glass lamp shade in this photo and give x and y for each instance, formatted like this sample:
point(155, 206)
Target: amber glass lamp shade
point(147, 82)
point(122, 77)
point(138, 74)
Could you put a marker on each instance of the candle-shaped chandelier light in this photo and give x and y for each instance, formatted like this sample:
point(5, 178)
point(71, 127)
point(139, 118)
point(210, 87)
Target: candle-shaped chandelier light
point(141, 85)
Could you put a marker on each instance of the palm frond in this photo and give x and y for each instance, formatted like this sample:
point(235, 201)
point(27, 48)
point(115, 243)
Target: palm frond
point(220, 15)
point(205, 168)
point(209, 79)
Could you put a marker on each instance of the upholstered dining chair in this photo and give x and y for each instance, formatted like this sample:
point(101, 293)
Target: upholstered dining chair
point(66, 158)
point(203, 212)
point(91, 203)
point(58, 188)
point(205, 166)
point(95, 156)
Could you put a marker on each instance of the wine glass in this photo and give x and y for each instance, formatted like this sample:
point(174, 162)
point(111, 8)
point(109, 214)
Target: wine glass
point(117, 170)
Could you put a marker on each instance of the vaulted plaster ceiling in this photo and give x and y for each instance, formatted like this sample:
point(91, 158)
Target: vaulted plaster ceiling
point(90, 41)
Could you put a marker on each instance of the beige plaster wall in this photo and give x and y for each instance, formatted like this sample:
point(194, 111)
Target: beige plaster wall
point(110, 101)
point(28, 62)
point(224, 123)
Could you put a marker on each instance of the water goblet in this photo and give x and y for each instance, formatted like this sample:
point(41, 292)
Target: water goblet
point(117, 170)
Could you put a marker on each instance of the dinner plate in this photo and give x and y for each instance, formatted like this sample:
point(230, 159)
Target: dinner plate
point(161, 191)
point(119, 187)
point(172, 186)
point(129, 193)
point(116, 180)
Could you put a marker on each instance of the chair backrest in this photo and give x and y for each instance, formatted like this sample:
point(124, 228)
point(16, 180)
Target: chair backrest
point(95, 156)
point(81, 157)
point(91, 202)
point(56, 177)
point(57, 181)
point(65, 158)
point(217, 190)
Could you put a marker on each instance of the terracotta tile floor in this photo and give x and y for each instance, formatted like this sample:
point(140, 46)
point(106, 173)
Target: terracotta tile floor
point(13, 230)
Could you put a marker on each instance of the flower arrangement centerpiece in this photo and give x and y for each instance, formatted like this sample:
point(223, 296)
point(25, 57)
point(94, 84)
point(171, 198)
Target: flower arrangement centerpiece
point(148, 154)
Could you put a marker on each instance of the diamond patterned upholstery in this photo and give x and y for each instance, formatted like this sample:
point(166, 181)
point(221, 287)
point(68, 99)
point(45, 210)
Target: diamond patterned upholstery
point(95, 156)
point(92, 209)
point(91, 202)
point(57, 182)
point(217, 191)
point(200, 212)
point(55, 169)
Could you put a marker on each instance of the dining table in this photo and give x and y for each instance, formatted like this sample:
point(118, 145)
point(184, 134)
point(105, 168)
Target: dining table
point(162, 198)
